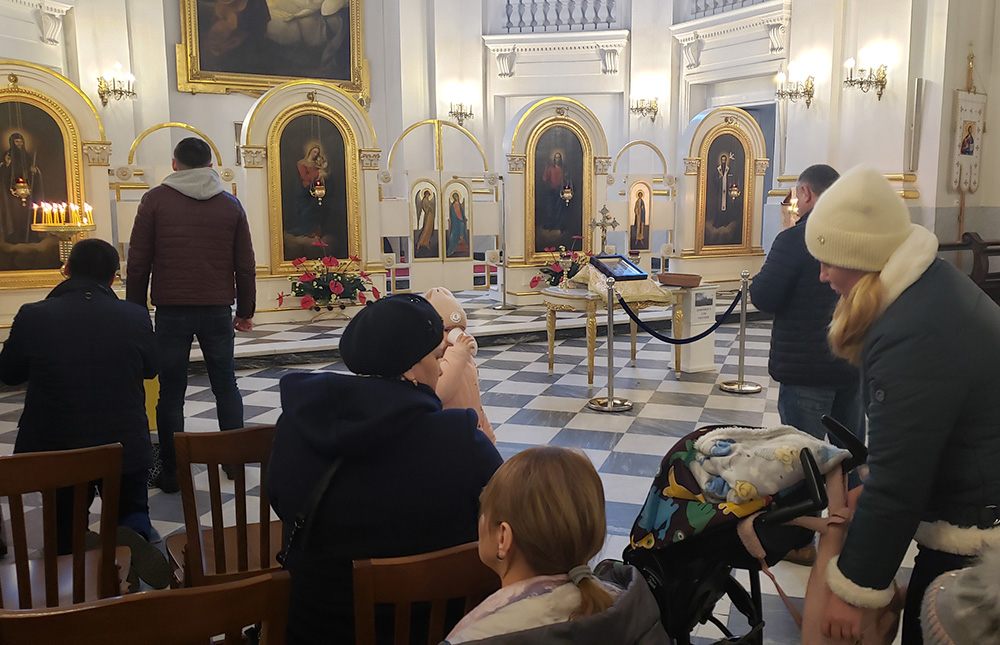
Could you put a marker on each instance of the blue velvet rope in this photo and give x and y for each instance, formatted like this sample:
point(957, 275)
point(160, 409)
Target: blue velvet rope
point(678, 341)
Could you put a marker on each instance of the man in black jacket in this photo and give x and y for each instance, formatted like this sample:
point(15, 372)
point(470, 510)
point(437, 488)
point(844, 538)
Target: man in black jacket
point(84, 354)
point(812, 382)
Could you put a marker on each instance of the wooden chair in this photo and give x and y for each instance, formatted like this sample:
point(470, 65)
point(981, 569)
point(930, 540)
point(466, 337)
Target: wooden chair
point(53, 580)
point(224, 553)
point(167, 617)
point(431, 577)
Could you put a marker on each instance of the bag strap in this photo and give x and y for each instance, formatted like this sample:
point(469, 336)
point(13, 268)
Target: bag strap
point(302, 526)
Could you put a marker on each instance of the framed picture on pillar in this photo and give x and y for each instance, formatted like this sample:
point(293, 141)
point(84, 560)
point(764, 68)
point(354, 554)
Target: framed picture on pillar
point(424, 209)
point(558, 188)
point(640, 208)
point(253, 45)
point(457, 221)
point(312, 186)
point(40, 161)
point(725, 193)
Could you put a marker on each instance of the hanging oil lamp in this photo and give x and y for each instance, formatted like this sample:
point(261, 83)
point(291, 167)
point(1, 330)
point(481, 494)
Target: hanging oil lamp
point(566, 194)
point(21, 190)
point(318, 191)
point(734, 191)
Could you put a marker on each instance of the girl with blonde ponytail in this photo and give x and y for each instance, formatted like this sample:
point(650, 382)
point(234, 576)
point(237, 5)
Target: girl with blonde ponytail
point(542, 520)
point(927, 340)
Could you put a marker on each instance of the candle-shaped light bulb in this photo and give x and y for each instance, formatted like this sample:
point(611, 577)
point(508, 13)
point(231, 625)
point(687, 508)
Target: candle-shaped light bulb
point(780, 78)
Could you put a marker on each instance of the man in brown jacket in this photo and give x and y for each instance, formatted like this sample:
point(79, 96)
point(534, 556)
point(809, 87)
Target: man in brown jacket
point(195, 240)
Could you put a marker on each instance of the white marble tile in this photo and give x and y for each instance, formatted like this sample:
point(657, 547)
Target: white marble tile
point(670, 412)
point(686, 387)
point(531, 435)
point(556, 403)
point(498, 414)
point(600, 421)
point(741, 402)
point(627, 489)
point(642, 444)
point(519, 387)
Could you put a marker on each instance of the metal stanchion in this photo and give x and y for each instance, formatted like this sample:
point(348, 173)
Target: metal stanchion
point(609, 403)
point(739, 386)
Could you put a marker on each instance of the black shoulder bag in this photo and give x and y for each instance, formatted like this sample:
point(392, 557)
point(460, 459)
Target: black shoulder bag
point(302, 525)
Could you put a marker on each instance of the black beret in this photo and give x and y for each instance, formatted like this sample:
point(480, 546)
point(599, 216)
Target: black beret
point(390, 335)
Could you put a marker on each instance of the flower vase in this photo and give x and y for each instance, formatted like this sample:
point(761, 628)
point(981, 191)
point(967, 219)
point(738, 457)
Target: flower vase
point(333, 311)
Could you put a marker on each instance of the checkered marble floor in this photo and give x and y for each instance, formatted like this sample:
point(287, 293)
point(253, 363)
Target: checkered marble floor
point(528, 406)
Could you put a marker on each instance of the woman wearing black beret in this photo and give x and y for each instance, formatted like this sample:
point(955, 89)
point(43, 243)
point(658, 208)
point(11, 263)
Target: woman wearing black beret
point(410, 473)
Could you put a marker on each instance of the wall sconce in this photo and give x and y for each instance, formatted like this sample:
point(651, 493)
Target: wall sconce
point(645, 107)
point(866, 79)
point(118, 86)
point(460, 112)
point(796, 90)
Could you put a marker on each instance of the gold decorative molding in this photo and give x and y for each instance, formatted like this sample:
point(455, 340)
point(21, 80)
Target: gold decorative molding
point(370, 158)
point(602, 165)
point(516, 163)
point(98, 153)
point(692, 165)
point(909, 194)
point(779, 192)
point(904, 177)
point(254, 156)
point(760, 166)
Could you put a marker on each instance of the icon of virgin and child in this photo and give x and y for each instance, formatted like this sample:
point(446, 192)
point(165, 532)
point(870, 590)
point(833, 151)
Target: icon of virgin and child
point(314, 196)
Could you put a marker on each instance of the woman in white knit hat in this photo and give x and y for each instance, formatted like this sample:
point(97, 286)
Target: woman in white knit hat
point(928, 343)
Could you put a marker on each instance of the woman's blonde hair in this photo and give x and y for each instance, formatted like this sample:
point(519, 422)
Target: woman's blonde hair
point(554, 502)
point(854, 316)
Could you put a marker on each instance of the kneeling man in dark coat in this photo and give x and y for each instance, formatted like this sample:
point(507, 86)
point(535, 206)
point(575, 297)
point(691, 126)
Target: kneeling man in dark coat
point(84, 354)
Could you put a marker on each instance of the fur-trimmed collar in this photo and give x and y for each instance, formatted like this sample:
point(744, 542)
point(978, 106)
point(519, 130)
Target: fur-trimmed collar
point(907, 263)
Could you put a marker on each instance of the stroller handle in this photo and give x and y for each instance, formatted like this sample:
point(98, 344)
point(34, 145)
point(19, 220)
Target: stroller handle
point(815, 487)
point(859, 453)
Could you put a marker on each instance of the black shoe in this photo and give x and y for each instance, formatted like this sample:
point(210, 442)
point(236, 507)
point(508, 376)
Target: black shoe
point(148, 562)
point(167, 482)
point(231, 470)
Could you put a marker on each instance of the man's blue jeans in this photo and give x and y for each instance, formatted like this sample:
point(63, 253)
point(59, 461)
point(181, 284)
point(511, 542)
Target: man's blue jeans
point(176, 327)
point(802, 407)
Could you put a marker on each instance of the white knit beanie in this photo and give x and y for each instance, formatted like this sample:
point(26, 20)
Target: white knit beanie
point(858, 222)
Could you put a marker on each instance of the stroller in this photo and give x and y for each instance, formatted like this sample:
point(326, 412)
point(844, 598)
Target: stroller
point(688, 548)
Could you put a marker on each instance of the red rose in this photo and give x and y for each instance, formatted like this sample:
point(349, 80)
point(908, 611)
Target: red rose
point(307, 277)
point(336, 288)
point(535, 281)
point(307, 302)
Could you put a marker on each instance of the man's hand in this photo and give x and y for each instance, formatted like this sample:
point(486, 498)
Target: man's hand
point(242, 324)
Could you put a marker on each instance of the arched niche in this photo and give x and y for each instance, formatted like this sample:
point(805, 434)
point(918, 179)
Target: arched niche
point(71, 142)
point(720, 195)
point(275, 118)
point(528, 140)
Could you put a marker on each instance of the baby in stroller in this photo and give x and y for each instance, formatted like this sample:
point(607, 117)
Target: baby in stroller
point(719, 502)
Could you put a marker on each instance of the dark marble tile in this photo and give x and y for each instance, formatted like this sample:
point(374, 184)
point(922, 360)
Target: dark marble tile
point(508, 450)
point(662, 427)
point(534, 377)
point(13, 415)
point(249, 412)
point(15, 397)
point(206, 395)
point(679, 398)
point(593, 439)
point(624, 463)
point(506, 400)
point(620, 518)
point(502, 364)
point(731, 417)
point(627, 383)
point(8, 437)
point(548, 418)
point(486, 385)
point(631, 412)
point(697, 377)
point(759, 371)
point(569, 391)
point(273, 372)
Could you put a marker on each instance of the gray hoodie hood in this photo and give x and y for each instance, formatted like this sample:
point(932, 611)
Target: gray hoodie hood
point(196, 183)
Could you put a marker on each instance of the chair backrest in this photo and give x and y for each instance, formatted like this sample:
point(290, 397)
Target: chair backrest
point(45, 473)
point(243, 549)
point(435, 577)
point(165, 617)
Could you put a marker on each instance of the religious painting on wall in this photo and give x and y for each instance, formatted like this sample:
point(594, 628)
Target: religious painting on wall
point(424, 220)
point(725, 187)
point(254, 45)
point(559, 172)
point(33, 169)
point(640, 203)
point(314, 196)
point(971, 112)
point(457, 230)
